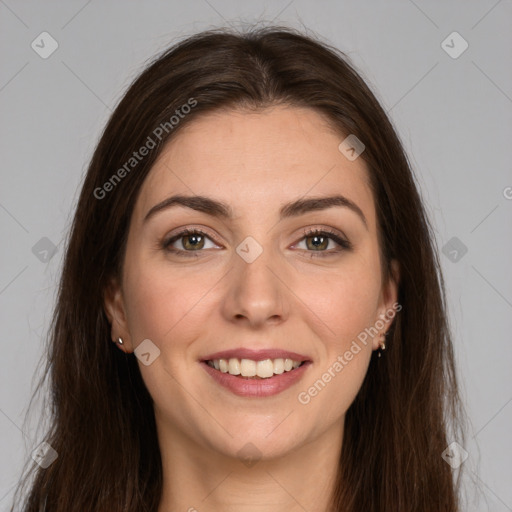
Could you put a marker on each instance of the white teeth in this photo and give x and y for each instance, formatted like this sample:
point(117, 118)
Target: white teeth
point(249, 368)
point(223, 365)
point(234, 367)
point(265, 369)
point(278, 366)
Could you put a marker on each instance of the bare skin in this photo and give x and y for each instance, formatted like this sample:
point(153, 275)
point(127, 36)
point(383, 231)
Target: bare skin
point(298, 296)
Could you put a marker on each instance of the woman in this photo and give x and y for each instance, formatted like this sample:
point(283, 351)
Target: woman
point(251, 314)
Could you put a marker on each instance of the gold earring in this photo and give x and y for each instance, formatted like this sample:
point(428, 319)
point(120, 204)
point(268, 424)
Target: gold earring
point(382, 344)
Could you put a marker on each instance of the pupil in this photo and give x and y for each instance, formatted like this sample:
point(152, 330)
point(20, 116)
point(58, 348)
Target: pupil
point(318, 241)
point(193, 240)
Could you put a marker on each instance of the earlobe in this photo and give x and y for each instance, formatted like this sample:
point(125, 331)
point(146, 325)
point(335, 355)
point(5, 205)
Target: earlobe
point(388, 306)
point(115, 310)
point(391, 292)
point(395, 272)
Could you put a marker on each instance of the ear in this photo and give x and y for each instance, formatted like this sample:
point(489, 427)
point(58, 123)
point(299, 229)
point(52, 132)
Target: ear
point(116, 313)
point(388, 304)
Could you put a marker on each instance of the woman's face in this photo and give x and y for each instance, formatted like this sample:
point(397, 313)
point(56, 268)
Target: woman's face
point(253, 284)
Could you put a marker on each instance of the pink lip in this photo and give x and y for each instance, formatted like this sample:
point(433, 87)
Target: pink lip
point(256, 388)
point(256, 355)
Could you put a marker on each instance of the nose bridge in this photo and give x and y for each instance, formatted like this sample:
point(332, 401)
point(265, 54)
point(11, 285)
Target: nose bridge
point(255, 293)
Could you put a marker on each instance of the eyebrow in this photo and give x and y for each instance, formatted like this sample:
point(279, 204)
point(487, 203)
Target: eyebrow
point(222, 210)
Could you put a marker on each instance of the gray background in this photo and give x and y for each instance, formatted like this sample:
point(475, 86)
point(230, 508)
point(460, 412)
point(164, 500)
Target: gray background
point(454, 116)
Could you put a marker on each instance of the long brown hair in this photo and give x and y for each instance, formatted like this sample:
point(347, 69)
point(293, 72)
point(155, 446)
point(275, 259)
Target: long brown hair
point(102, 423)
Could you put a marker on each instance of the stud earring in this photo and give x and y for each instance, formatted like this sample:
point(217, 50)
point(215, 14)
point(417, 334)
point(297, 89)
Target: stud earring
point(382, 344)
point(120, 341)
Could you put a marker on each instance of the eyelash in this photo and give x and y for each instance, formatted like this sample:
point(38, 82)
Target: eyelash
point(344, 244)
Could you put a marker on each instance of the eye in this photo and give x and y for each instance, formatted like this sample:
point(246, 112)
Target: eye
point(191, 241)
point(319, 240)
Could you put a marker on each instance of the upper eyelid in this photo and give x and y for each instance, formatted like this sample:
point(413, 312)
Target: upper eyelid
point(306, 232)
point(188, 231)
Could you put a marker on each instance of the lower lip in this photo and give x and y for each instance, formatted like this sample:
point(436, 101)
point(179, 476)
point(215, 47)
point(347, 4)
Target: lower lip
point(257, 387)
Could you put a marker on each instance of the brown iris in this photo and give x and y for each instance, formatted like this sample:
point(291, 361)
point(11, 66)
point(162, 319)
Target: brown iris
point(317, 245)
point(197, 241)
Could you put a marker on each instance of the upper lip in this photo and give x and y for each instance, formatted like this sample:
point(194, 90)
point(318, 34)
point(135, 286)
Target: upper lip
point(256, 355)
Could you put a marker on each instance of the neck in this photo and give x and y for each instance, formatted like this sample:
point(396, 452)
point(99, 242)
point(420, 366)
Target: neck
point(199, 479)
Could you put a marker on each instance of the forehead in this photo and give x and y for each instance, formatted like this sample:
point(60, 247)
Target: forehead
point(257, 160)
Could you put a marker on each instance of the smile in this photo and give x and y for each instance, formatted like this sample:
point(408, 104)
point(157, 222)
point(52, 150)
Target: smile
point(255, 373)
point(254, 369)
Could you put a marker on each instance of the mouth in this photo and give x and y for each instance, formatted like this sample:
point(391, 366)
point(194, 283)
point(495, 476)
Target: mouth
point(256, 373)
point(252, 369)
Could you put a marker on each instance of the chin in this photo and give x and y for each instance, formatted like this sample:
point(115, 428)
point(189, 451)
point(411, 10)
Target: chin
point(267, 436)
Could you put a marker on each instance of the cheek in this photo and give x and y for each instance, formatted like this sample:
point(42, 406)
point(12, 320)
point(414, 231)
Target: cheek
point(332, 389)
point(158, 301)
point(346, 301)
point(346, 349)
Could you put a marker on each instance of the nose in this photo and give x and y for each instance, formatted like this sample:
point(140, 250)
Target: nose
point(256, 295)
